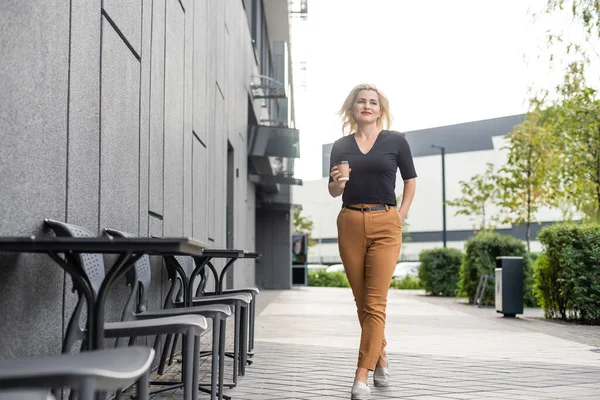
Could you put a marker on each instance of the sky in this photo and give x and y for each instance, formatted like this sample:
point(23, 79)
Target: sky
point(439, 62)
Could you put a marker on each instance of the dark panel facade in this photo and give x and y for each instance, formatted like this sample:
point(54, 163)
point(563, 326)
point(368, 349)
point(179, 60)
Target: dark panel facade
point(117, 114)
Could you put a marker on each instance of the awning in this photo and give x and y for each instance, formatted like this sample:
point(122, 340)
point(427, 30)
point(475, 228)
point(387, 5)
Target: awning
point(274, 141)
point(271, 154)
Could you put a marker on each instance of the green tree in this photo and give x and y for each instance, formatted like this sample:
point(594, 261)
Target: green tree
point(578, 43)
point(586, 12)
point(575, 124)
point(524, 183)
point(303, 225)
point(478, 194)
point(572, 112)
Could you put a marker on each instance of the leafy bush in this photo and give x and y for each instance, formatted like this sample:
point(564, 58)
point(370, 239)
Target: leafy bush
point(408, 282)
point(480, 259)
point(339, 279)
point(567, 275)
point(439, 270)
point(327, 279)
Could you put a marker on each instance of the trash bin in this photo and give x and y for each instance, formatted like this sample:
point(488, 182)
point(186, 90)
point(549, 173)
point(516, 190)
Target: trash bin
point(509, 286)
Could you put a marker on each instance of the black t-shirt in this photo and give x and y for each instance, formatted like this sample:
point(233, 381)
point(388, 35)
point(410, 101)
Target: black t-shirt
point(373, 175)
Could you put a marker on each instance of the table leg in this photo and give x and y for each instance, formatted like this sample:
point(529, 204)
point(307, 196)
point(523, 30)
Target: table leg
point(121, 266)
point(84, 286)
point(223, 272)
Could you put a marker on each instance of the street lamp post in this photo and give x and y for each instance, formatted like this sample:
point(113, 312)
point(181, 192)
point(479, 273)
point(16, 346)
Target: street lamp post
point(443, 150)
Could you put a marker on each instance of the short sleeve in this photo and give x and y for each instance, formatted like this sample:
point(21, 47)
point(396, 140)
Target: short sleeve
point(405, 159)
point(333, 158)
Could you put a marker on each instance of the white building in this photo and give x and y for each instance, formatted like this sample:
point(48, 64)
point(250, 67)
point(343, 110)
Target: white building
point(468, 148)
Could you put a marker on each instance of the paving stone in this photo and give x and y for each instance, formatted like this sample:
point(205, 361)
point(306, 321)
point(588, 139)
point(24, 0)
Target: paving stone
point(307, 345)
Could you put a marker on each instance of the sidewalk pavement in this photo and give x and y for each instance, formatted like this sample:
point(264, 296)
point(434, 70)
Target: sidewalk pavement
point(307, 343)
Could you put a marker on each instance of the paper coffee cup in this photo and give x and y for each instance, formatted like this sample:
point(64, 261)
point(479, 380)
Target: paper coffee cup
point(344, 168)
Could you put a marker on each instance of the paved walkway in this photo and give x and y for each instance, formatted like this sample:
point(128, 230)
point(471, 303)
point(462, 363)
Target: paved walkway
point(307, 340)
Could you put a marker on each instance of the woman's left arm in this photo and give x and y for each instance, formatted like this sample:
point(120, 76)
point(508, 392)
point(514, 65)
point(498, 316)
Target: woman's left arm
point(408, 194)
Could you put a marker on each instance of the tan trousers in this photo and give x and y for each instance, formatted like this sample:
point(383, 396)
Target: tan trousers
point(369, 244)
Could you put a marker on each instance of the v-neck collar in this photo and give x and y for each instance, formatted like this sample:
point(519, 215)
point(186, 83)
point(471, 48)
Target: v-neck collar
point(372, 147)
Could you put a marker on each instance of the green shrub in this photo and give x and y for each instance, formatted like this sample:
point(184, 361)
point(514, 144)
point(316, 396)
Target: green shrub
point(408, 282)
point(480, 259)
point(546, 290)
point(440, 270)
point(339, 279)
point(567, 276)
point(327, 279)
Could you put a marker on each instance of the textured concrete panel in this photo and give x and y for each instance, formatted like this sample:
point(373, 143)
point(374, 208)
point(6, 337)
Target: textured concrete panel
point(84, 115)
point(84, 120)
point(119, 175)
point(119, 178)
point(157, 103)
point(199, 81)
point(218, 21)
point(174, 105)
point(127, 16)
point(220, 182)
point(155, 296)
point(188, 120)
point(200, 191)
point(145, 66)
point(33, 161)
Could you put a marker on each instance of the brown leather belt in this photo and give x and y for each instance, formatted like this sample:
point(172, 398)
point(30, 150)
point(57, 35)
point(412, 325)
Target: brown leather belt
point(378, 207)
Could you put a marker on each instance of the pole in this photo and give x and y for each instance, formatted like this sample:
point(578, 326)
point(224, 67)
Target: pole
point(444, 194)
point(444, 230)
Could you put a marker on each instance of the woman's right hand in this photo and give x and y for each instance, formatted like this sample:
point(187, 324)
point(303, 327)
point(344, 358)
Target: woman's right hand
point(335, 174)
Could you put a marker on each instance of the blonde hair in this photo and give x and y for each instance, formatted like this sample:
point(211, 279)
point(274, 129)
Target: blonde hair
point(349, 124)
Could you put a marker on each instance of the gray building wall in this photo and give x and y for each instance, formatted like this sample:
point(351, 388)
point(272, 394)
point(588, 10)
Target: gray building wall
point(117, 116)
point(274, 241)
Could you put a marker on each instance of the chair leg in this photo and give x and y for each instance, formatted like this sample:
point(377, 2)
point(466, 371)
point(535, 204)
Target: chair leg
point(187, 369)
point(143, 386)
point(214, 376)
point(252, 317)
point(196, 367)
point(243, 339)
point(165, 353)
point(173, 349)
point(222, 340)
point(87, 390)
point(236, 344)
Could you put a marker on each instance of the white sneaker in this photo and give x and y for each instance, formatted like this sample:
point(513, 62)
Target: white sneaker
point(381, 376)
point(360, 391)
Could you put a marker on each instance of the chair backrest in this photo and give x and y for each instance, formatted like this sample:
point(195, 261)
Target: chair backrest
point(139, 278)
point(93, 267)
point(92, 264)
point(175, 293)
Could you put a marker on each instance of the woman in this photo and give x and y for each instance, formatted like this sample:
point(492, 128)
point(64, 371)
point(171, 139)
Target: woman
point(369, 226)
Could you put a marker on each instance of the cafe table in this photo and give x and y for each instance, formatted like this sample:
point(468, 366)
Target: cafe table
point(129, 250)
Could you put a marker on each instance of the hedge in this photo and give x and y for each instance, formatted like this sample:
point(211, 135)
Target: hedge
point(567, 275)
point(328, 279)
point(408, 282)
point(480, 259)
point(339, 279)
point(439, 271)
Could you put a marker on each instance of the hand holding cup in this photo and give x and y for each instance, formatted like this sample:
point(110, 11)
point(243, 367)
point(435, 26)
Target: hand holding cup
point(340, 173)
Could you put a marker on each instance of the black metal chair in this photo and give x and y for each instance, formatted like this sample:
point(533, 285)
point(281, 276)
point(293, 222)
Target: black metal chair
point(86, 374)
point(217, 311)
point(252, 291)
point(239, 301)
point(190, 326)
